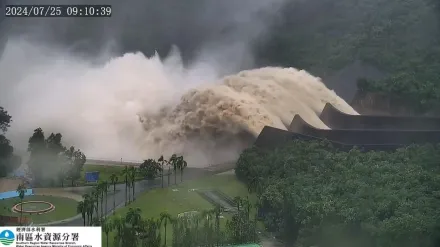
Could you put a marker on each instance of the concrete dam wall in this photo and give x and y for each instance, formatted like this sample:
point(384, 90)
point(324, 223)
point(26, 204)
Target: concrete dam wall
point(366, 132)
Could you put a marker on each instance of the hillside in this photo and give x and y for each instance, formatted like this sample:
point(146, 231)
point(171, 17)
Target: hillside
point(400, 38)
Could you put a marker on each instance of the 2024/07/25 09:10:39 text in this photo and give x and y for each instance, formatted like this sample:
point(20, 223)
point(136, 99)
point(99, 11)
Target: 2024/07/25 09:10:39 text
point(58, 10)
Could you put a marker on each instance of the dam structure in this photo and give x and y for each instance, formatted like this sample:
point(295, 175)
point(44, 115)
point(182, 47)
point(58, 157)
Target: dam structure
point(367, 132)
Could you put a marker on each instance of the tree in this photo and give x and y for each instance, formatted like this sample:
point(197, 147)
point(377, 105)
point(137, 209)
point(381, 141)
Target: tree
point(37, 149)
point(132, 178)
point(174, 161)
point(133, 226)
point(169, 174)
point(134, 216)
point(165, 218)
point(118, 224)
point(5, 120)
point(316, 195)
point(125, 173)
point(162, 161)
point(8, 161)
point(107, 227)
point(21, 190)
point(50, 159)
point(82, 209)
point(150, 169)
point(91, 207)
point(76, 160)
point(104, 191)
point(114, 180)
point(86, 202)
point(182, 164)
point(96, 196)
point(150, 233)
point(100, 190)
point(217, 211)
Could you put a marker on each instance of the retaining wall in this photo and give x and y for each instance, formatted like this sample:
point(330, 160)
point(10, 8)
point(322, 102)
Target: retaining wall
point(12, 194)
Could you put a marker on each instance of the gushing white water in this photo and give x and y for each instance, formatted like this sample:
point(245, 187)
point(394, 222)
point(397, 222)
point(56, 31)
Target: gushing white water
point(136, 107)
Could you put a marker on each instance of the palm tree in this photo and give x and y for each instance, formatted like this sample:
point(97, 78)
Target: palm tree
point(165, 218)
point(149, 233)
point(132, 177)
point(107, 227)
point(114, 180)
point(118, 224)
point(81, 208)
point(133, 219)
point(169, 172)
point(86, 200)
point(125, 173)
point(248, 207)
point(238, 202)
point(182, 165)
point(21, 190)
point(96, 194)
point(91, 206)
point(105, 187)
point(174, 162)
point(207, 216)
point(217, 212)
point(101, 188)
point(161, 161)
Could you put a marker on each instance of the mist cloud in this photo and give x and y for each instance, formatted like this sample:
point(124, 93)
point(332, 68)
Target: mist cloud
point(84, 78)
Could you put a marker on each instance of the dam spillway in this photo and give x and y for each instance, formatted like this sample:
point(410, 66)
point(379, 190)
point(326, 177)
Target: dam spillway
point(367, 132)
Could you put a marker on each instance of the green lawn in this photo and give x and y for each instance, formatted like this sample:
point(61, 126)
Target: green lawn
point(153, 202)
point(64, 208)
point(105, 171)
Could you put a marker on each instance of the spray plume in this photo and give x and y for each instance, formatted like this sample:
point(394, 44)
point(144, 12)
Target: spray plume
point(134, 107)
point(137, 107)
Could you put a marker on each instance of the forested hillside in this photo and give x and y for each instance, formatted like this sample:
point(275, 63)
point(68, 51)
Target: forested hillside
point(399, 37)
point(310, 194)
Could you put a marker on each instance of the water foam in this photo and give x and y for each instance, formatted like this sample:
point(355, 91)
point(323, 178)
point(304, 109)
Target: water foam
point(136, 107)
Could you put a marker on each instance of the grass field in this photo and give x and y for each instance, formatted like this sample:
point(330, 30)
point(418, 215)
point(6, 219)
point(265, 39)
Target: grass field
point(105, 171)
point(175, 200)
point(64, 208)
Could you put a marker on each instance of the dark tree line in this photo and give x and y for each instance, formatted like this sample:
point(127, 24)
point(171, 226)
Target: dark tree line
point(311, 194)
point(8, 161)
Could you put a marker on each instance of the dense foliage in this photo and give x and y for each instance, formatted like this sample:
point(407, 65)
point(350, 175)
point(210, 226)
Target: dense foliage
point(400, 38)
point(313, 195)
point(52, 163)
point(8, 161)
point(198, 229)
point(188, 229)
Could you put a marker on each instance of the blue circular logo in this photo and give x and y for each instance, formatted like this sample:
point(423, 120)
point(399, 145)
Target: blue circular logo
point(7, 237)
